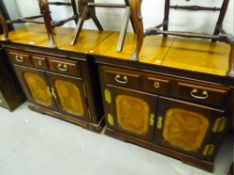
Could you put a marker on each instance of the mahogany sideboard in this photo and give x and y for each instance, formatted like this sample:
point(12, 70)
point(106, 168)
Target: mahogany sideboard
point(176, 100)
point(11, 94)
point(58, 82)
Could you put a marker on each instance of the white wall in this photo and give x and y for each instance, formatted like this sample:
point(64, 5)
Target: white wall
point(152, 11)
point(13, 10)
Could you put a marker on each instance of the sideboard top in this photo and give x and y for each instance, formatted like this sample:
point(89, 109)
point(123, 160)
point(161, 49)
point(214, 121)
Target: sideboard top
point(35, 35)
point(186, 54)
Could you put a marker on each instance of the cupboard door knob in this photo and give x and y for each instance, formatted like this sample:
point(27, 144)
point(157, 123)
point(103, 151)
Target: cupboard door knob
point(124, 80)
point(19, 59)
point(156, 85)
point(63, 67)
point(204, 96)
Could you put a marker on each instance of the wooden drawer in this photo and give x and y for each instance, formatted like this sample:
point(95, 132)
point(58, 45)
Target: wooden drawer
point(158, 85)
point(22, 58)
point(202, 93)
point(39, 61)
point(123, 78)
point(64, 66)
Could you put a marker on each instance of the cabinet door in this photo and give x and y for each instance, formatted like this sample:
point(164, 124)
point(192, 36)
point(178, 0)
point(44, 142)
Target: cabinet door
point(35, 86)
point(70, 95)
point(130, 111)
point(188, 127)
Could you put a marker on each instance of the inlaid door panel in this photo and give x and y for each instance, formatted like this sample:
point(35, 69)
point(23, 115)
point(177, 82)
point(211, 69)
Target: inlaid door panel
point(130, 111)
point(35, 86)
point(70, 95)
point(188, 127)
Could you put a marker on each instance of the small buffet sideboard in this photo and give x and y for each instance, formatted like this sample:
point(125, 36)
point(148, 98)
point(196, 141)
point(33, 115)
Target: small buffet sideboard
point(58, 82)
point(176, 100)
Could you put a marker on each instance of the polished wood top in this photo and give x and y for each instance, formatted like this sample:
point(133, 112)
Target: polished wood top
point(186, 54)
point(153, 51)
point(198, 55)
point(36, 35)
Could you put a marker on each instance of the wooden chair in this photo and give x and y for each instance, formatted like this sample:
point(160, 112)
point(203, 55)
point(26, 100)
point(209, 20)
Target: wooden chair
point(218, 35)
point(87, 11)
point(47, 19)
point(218, 28)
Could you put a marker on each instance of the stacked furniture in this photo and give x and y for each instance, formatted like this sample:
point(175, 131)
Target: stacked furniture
point(176, 98)
point(162, 102)
point(219, 33)
point(47, 21)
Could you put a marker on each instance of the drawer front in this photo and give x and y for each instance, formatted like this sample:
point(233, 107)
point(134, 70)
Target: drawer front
point(158, 85)
point(22, 58)
point(64, 66)
point(39, 62)
point(119, 77)
point(205, 94)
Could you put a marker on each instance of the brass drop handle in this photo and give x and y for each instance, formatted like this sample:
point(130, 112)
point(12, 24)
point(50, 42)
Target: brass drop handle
point(63, 67)
point(204, 96)
point(19, 59)
point(124, 80)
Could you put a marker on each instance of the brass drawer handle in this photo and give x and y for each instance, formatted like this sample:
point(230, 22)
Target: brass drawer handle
point(156, 85)
point(123, 81)
point(63, 67)
point(204, 96)
point(19, 59)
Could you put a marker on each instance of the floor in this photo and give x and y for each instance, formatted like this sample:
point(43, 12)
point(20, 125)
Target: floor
point(34, 144)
